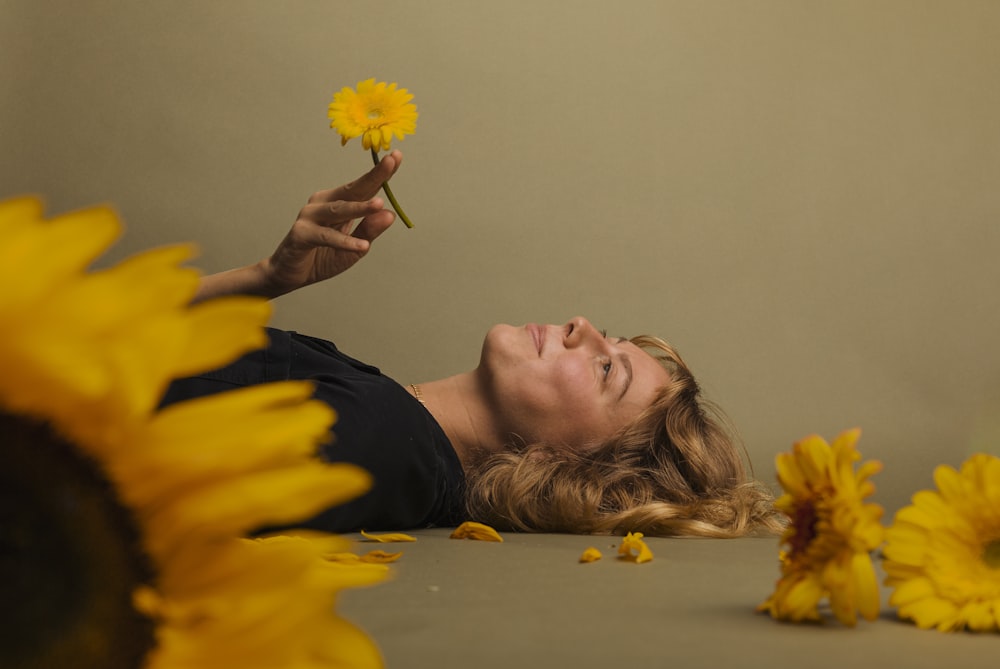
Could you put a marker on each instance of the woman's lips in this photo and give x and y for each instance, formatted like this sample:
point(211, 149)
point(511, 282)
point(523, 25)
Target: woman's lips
point(537, 333)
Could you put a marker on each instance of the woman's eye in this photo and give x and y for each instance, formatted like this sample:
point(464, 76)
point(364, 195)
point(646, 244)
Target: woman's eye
point(607, 368)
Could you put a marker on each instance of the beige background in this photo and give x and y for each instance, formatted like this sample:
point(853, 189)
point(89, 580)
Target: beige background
point(802, 196)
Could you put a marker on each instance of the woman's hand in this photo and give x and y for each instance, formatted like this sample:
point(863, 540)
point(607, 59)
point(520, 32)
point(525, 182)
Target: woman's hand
point(320, 244)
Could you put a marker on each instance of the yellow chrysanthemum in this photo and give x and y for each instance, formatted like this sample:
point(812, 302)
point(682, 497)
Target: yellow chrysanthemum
point(122, 529)
point(831, 532)
point(377, 111)
point(943, 551)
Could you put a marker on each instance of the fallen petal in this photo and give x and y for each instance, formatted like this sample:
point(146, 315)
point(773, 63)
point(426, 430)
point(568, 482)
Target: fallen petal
point(473, 530)
point(387, 538)
point(380, 557)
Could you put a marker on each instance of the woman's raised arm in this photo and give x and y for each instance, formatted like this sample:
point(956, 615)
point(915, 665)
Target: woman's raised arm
point(320, 244)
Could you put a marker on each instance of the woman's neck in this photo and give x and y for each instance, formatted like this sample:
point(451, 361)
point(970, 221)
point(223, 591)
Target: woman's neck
point(461, 409)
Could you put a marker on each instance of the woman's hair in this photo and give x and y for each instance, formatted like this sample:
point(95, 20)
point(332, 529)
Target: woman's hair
point(674, 471)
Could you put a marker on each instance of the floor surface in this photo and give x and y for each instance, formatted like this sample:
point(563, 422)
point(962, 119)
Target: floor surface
point(528, 602)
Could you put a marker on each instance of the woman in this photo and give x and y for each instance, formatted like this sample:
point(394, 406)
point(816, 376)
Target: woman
point(558, 429)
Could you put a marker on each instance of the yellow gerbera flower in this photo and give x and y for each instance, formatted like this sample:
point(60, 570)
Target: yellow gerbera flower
point(831, 532)
point(122, 529)
point(376, 111)
point(943, 551)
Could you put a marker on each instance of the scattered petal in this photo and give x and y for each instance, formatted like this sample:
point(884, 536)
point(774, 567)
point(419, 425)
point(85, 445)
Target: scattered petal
point(634, 549)
point(473, 530)
point(380, 557)
point(591, 554)
point(387, 538)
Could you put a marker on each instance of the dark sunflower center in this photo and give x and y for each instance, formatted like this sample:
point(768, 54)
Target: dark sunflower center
point(69, 558)
point(991, 554)
point(804, 524)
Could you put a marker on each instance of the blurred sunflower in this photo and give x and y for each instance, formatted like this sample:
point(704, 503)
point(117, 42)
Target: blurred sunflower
point(377, 111)
point(942, 553)
point(120, 538)
point(830, 534)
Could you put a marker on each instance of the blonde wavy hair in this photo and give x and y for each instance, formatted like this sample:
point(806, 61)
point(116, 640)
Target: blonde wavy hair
point(677, 470)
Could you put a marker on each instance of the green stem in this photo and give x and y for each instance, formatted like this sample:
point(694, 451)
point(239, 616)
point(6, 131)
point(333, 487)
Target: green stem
point(392, 198)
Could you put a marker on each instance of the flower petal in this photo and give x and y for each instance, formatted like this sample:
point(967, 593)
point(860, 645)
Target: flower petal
point(387, 538)
point(473, 530)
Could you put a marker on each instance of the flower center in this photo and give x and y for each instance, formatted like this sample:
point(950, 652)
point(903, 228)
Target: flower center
point(991, 554)
point(374, 113)
point(69, 557)
point(804, 524)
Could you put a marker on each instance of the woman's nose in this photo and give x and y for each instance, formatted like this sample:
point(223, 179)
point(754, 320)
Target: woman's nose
point(579, 331)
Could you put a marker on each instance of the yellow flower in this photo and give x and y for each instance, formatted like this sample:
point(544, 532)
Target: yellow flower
point(377, 111)
point(831, 532)
point(124, 523)
point(943, 551)
point(590, 554)
point(633, 548)
point(478, 531)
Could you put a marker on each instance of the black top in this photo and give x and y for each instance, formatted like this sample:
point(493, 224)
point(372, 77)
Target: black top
point(380, 427)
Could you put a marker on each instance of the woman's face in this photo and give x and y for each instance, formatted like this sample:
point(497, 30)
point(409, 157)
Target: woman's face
point(566, 384)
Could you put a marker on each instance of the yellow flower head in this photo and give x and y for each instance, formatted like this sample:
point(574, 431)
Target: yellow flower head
point(830, 534)
point(376, 111)
point(943, 551)
point(129, 519)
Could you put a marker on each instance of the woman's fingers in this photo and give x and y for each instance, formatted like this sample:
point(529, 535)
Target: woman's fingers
point(340, 212)
point(327, 224)
point(306, 235)
point(366, 186)
point(374, 225)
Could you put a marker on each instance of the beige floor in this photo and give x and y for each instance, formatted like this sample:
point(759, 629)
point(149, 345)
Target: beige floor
point(528, 603)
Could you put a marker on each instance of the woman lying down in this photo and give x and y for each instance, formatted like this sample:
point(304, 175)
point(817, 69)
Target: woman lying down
point(560, 428)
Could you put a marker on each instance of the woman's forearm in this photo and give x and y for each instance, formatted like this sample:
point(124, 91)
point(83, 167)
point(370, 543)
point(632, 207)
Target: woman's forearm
point(248, 280)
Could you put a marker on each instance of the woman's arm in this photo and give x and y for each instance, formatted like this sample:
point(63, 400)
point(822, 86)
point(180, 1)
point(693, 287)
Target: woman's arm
point(320, 244)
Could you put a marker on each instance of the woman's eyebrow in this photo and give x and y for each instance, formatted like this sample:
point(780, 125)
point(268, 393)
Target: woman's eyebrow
point(626, 364)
